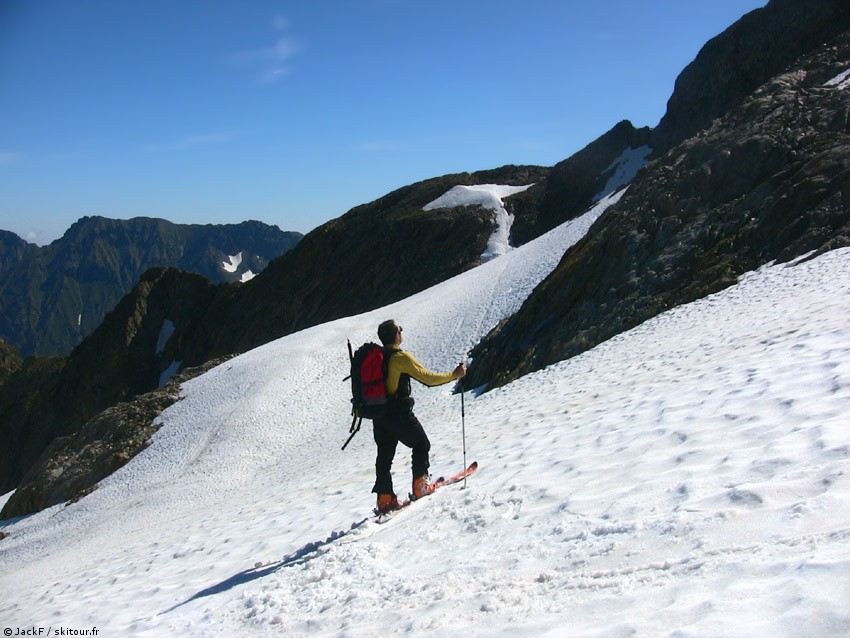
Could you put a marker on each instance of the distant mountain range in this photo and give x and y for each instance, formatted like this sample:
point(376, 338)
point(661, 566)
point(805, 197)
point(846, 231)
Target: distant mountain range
point(52, 297)
point(750, 164)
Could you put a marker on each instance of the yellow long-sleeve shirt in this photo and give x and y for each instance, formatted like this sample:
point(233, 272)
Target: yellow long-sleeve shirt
point(402, 362)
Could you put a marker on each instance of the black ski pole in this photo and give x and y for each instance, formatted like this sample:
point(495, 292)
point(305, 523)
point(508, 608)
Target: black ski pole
point(463, 428)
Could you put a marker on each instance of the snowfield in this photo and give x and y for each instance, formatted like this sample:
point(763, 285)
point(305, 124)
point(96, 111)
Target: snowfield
point(623, 169)
point(488, 196)
point(690, 477)
point(232, 264)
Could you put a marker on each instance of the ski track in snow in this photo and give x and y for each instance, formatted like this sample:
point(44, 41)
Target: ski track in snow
point(686, 478)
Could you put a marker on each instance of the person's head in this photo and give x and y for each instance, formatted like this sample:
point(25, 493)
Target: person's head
point(389, 332)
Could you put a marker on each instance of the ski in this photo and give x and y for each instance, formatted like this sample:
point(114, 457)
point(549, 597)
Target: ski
point(461, 475)
point(383, 517)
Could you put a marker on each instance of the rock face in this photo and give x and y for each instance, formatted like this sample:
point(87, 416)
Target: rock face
point(574, 184)
point(52, 297)
point(768, 181)
point(14, 250)
point(759, 46)
point(26, 406)
point(72, 466)
point(49, 397)
point(10, 361)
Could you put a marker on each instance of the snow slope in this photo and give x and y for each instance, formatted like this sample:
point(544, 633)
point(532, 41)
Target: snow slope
point(233, 265)
point(233, 262)
point(489, 196)
point(840, 81)
point(623, 169)
point(688, 478)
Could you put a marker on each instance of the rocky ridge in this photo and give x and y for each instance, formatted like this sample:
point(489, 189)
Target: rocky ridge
point(756, 48)
point(51, 297)
point(49, 397)
point(72, 466)
point(10, 361)
point(769, 181)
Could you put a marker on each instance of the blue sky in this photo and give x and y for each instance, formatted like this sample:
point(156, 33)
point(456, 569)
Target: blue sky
point(294, 112)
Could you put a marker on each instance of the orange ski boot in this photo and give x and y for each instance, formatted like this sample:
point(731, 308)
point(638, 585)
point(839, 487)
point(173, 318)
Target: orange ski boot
point(387, 503)
point(422, 487)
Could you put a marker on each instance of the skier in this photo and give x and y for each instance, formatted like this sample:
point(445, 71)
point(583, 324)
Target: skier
point(400, 424)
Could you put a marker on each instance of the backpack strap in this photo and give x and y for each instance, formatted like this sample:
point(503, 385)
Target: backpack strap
point(354, 429)
point(386, 367)
point(403, 390)
point(358, 420)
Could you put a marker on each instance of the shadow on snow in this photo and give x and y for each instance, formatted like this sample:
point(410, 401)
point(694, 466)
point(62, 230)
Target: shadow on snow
point(298, 557)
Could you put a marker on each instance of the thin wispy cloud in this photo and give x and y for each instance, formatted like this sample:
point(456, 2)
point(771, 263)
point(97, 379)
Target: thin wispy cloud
point(7, 157)
point(189, 142)
point(269, 64)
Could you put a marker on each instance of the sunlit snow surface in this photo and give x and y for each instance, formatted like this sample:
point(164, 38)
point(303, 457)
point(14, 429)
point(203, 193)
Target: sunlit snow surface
point(690, 477)
point(233, 262)
point(489, 196)
point(623, 169)
point(840, 81)
point(232, 265)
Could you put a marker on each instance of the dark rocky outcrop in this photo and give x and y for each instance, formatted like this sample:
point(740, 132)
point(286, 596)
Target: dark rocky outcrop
point(51, 297)
point(769, 181)
point(72, 466)
point(10, 361)
point(759, 46)
point(571, 186)
point(14, 250)
point(29, 417)
point(51, 397)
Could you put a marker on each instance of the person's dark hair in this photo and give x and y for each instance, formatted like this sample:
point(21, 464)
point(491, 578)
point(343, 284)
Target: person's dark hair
point(387, 332)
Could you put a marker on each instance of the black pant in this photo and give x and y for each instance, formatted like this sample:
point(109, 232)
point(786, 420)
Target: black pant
point(400, 425)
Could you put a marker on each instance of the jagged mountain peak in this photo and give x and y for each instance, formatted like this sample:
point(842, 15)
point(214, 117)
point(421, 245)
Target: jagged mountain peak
point(53, 296)
point(730, 66)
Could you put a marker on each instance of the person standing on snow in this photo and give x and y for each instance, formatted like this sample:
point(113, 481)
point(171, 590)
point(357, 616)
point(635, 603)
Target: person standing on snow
point(400, 424)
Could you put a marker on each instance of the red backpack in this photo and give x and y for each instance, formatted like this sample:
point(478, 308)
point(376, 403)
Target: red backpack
point(368, 388)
